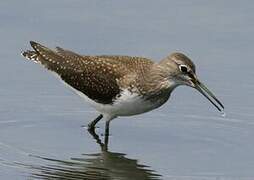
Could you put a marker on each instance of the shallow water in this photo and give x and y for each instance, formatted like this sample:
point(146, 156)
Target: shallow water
point(41, 133)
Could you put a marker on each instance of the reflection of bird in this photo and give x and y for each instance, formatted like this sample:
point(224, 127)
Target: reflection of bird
point(120, 85)
point(101, 166)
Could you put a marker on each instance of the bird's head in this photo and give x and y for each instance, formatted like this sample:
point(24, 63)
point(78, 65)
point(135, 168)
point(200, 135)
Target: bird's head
point(181, 71)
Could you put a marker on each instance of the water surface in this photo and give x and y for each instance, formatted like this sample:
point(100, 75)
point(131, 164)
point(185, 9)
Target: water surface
point(41, 133)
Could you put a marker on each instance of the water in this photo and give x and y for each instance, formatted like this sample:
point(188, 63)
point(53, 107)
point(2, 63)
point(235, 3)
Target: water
point(41, 133)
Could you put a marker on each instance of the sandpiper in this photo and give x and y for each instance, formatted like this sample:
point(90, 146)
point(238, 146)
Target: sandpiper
point(120, 85)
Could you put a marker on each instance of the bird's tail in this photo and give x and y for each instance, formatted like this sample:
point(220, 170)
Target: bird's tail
point(55, 61)
point(37, 55)
point(31, 55)
point(43, 55)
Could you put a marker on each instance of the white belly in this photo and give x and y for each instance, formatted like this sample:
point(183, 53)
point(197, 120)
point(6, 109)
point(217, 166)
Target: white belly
point(128, 104)
point(131, 104)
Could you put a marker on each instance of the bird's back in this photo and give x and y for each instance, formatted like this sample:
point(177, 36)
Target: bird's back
point(98, 77)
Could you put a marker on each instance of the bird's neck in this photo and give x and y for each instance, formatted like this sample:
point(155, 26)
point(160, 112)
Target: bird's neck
point(156, 81)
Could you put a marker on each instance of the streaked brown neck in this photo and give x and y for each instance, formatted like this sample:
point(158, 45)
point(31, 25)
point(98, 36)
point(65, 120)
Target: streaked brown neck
point(155, 80)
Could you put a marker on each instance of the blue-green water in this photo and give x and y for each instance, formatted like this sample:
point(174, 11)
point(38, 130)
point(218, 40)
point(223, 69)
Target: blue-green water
point(41, 121)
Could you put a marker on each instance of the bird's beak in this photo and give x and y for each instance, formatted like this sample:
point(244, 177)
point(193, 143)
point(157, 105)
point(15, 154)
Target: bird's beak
point(207, 93)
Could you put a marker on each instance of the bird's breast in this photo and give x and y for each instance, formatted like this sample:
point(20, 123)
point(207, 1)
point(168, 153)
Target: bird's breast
point(129, 103)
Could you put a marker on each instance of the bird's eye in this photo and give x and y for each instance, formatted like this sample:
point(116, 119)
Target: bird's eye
point(183, 68)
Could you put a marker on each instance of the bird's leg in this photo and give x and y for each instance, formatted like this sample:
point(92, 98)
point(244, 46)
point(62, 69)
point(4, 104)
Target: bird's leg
point(104, 146)
point(107, 128)
point(91, 130)
point(91, 125)
point(97, 138)
point(106, 134)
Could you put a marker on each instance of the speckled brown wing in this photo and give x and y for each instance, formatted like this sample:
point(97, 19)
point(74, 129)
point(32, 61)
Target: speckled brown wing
point(96, 76)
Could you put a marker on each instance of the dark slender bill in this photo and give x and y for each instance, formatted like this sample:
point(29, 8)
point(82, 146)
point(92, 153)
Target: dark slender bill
point(207, 93)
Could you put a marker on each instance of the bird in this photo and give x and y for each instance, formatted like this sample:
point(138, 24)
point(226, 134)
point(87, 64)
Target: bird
point(117, 85)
